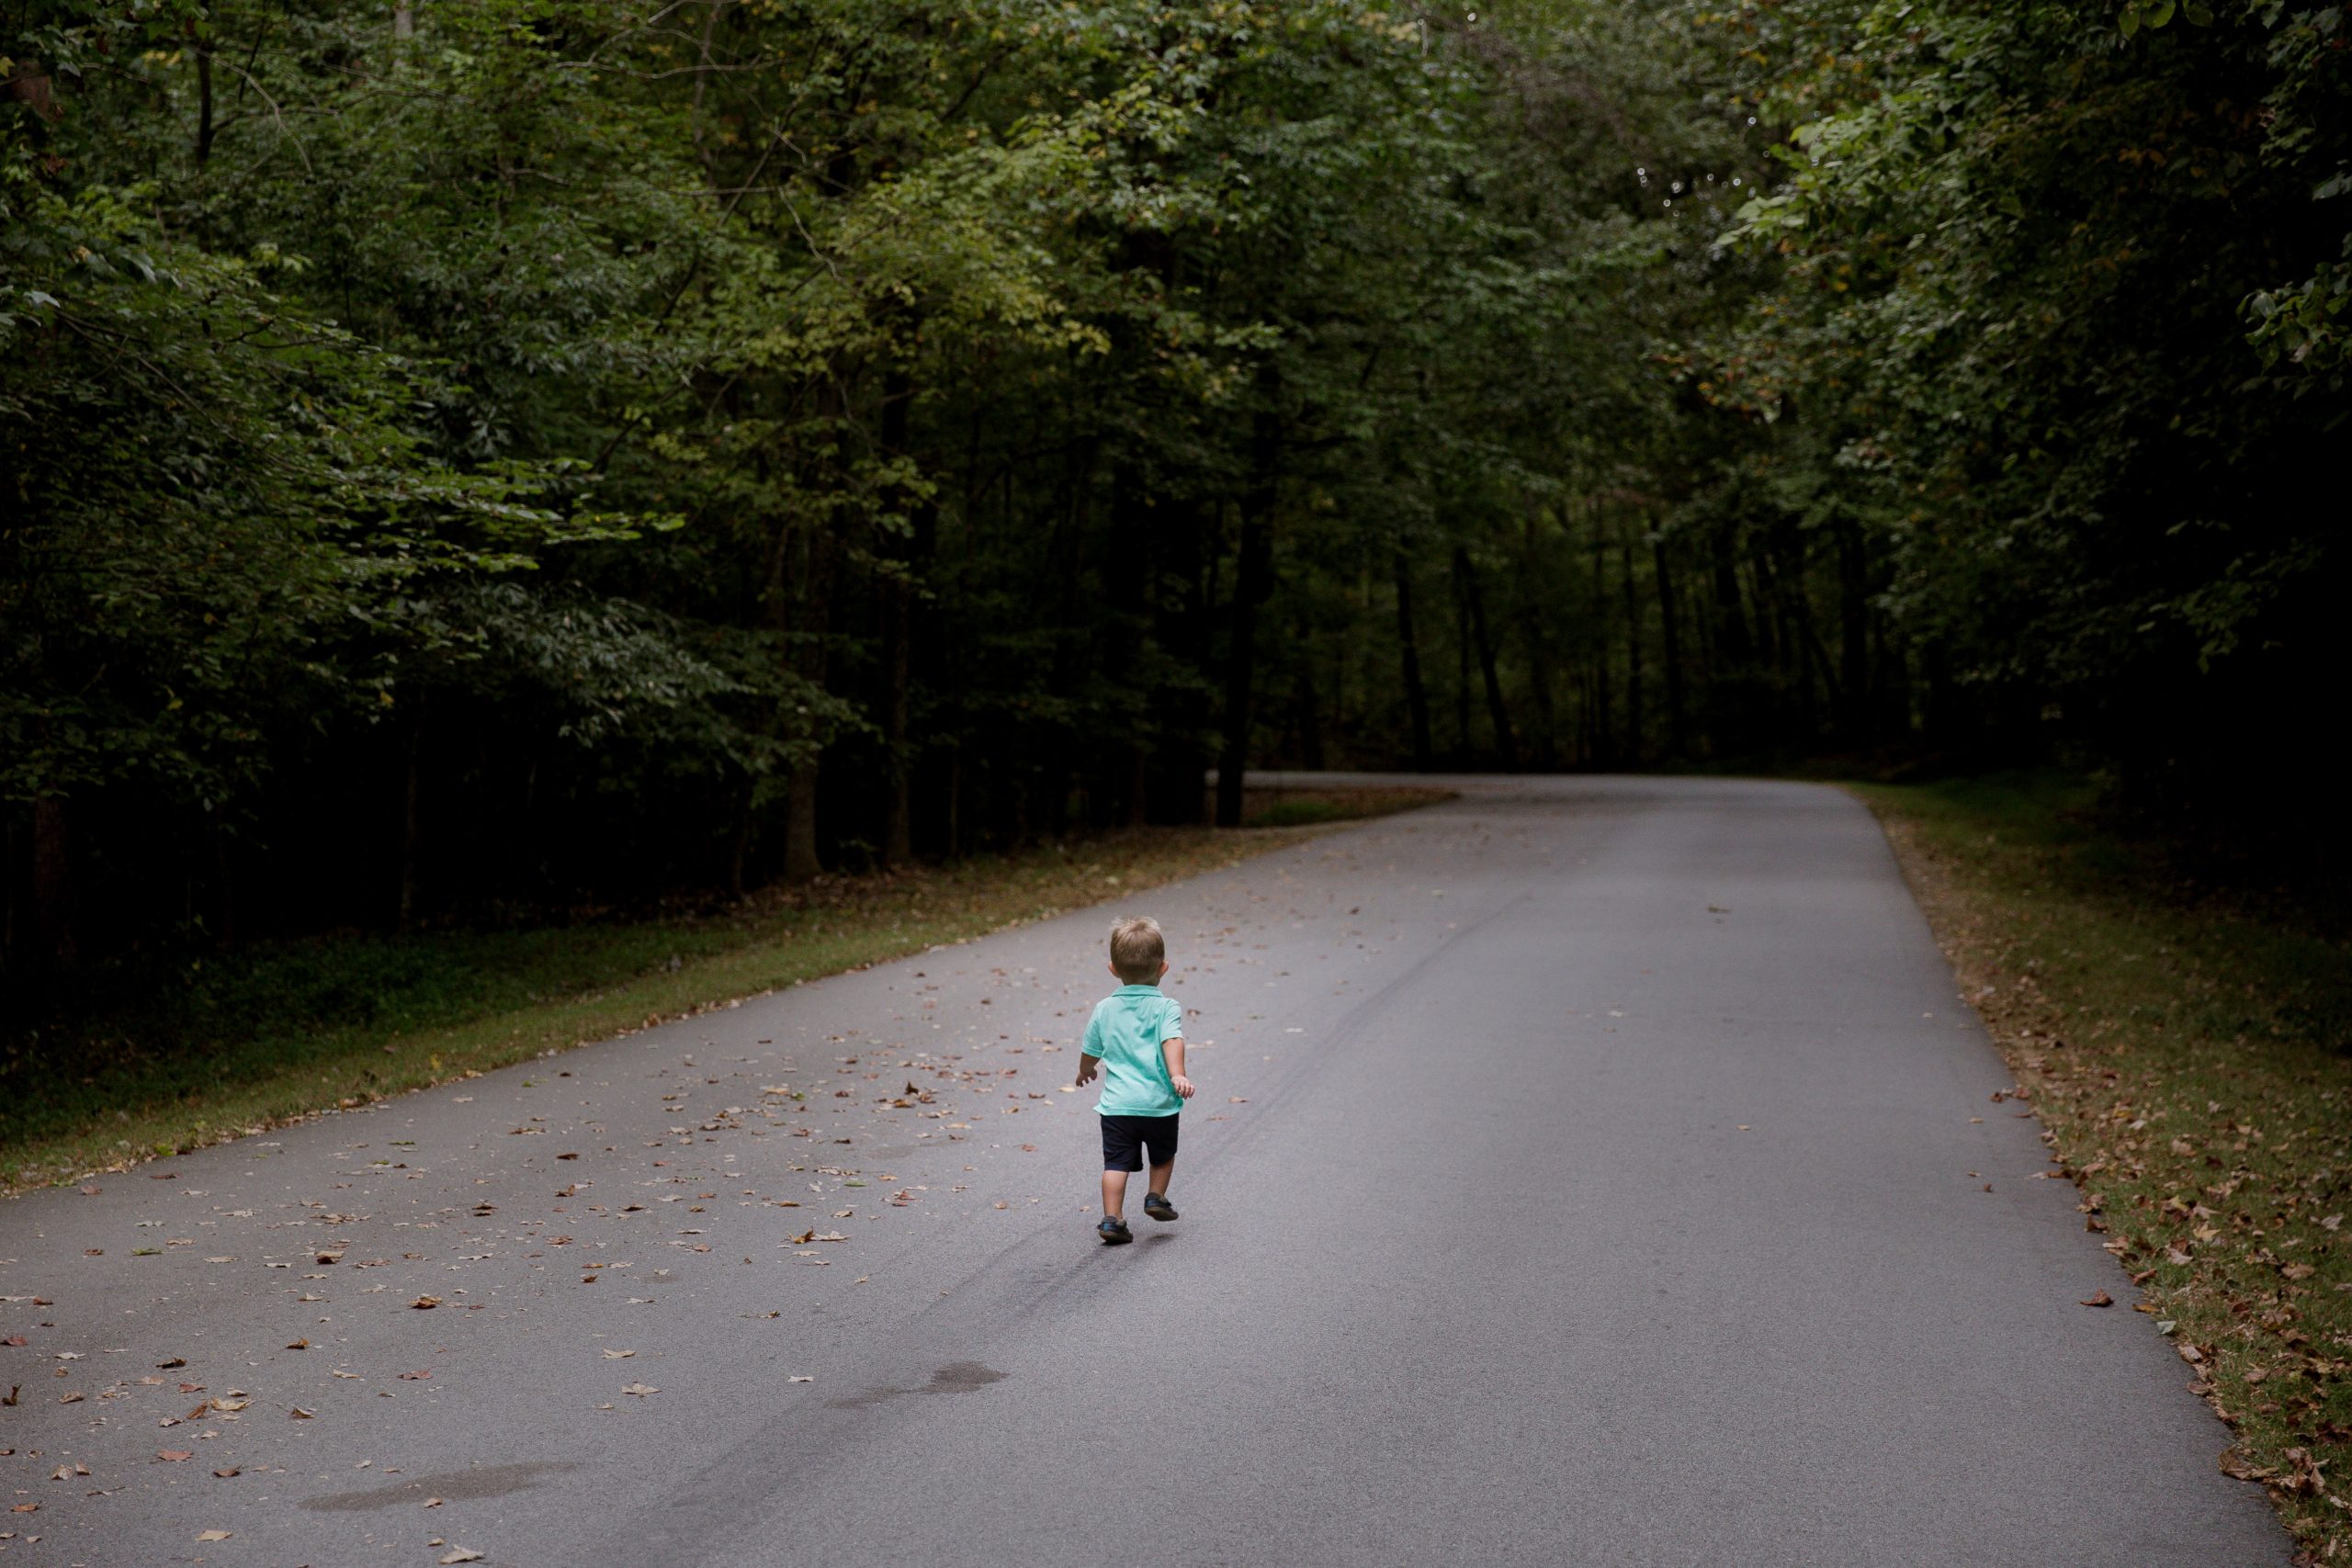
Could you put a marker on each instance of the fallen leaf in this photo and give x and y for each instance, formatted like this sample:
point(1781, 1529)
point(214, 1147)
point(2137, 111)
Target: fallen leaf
point(298, 1414)
point(460, 1554)
point(414, 1377)
point(216, 1535)
point(2100, 1299)
point(804, 1380)
point(174, 1361)
point(225, 1474)
point(639, 1389)
point(618, 1355)
point(1237, 1100)
point(173, 1455)
point(24, 1507)
point(299, 1344)
point(424, 1303)
point(433, 1502)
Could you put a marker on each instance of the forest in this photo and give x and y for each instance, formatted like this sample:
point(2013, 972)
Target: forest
point(479, 460)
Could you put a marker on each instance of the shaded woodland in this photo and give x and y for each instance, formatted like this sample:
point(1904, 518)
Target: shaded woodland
point(495, 461)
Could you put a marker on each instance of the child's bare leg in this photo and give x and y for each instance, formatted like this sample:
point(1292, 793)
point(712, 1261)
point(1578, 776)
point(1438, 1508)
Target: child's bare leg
point(1114, 1191)
point(1159, 1175)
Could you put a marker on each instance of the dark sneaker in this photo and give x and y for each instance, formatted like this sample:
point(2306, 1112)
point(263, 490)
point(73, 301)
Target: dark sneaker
point(1114, 1231)
point(1158, 1206)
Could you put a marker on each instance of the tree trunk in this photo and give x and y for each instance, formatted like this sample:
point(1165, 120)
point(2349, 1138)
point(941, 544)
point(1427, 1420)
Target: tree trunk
point(1633, 653)
point(1311, 713)
point(1677, 736)
point(1497, 714)
point(53, 911)
point(1853, 605)
point(1417, 696)
point(1461, 674)
point(800, 859)
point(897, 632)
point(412, 821)
point(1253, 584)
point(1604, 743)
point(203, 101)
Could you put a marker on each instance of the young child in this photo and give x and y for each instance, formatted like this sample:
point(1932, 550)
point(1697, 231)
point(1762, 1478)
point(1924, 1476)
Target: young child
point(1137, 1038)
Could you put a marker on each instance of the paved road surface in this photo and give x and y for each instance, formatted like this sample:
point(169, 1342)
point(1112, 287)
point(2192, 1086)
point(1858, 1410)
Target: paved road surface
point(1585, 1172)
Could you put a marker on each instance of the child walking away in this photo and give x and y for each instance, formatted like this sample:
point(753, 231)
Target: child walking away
point(1137, 1040)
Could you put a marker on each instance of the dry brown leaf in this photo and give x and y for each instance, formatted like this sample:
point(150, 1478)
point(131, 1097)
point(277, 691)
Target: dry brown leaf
point(424, 1303)
point(460, 1554)
point(2099, 1299)
point(639, 1389)
point(298, 1414)
point(618, 1355)
point(225, 1474)
point(173, 1455)
point(215, 1534)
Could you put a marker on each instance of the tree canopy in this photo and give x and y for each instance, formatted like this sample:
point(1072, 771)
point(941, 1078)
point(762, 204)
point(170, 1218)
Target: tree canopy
point(526, 454)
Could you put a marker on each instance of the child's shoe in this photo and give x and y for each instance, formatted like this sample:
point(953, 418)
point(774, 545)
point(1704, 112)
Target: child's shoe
point(1114, 1231)
point(1156, 1205)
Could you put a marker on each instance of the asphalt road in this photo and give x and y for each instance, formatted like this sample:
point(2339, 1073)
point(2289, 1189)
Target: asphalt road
point(1585, 1172)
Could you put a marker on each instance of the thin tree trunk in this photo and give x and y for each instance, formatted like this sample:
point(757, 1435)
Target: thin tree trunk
point(897, 632)
point(1253, 583)
point(1461, 674)
point(1604, 743)
point(1853, 606)
point(412, 821)
point(53, 910)
point(1670, 635)
point(1633, 652)
point(1539, 652)
point(203, 101)
point(1417, 696)
point(1310, 711)
point(1497, 714)
point(801, 857)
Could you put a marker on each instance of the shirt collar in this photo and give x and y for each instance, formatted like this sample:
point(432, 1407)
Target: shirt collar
point(1136, 991)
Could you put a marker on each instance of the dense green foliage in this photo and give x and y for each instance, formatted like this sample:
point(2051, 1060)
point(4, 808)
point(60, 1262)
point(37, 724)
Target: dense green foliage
point(468, 458)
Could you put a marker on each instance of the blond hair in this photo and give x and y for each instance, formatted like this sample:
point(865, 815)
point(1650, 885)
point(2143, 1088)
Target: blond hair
point(1137, 950)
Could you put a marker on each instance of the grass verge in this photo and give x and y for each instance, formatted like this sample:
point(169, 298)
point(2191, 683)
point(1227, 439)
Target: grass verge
point(160, 1060)
point(2185, 1047)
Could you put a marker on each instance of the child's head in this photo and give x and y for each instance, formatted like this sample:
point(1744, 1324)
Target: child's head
point(1138, 953)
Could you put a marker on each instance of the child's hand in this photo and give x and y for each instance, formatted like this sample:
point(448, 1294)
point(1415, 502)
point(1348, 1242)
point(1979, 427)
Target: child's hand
point(1085, 1073)
point(1183, 1086)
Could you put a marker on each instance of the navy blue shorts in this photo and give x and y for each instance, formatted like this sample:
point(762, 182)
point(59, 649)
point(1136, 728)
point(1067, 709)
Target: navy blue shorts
point(1125, 1137)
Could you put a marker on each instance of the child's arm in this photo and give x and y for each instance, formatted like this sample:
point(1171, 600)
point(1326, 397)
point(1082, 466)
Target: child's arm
point(1174, 1049)
point(1086, 1065)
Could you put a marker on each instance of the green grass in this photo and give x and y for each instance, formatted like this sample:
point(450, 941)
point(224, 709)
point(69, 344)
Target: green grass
point(158, 1059)
point(2184, 1043)
point(1291, 807)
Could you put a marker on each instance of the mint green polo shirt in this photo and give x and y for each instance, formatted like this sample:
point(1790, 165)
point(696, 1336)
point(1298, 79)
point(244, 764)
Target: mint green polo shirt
point(1125, 1034)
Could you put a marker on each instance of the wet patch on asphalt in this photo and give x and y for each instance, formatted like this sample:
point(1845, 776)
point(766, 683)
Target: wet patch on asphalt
point(956, 1377)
